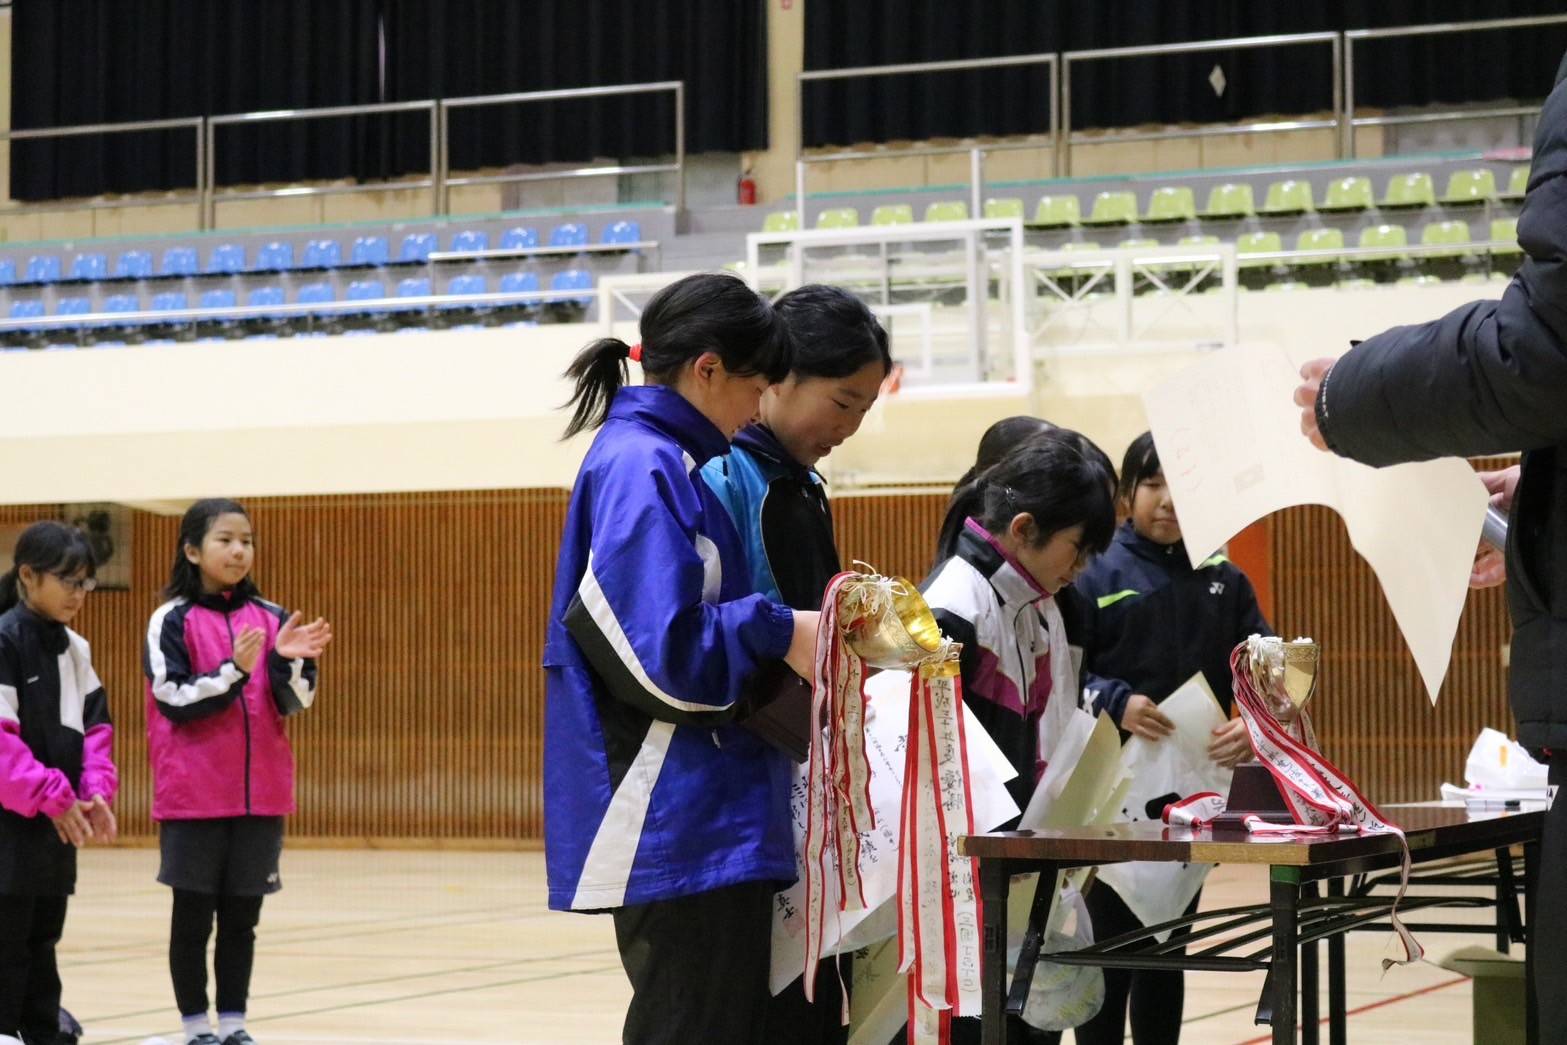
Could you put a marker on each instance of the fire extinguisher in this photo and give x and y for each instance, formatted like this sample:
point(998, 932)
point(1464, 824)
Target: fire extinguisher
point(746, 190)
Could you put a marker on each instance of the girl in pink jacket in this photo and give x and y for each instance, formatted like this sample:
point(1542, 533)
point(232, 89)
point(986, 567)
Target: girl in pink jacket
point(57, 775)
point(224, 667)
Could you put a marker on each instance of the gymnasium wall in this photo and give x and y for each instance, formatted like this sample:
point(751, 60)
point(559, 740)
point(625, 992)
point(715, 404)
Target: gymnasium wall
point(428, 727)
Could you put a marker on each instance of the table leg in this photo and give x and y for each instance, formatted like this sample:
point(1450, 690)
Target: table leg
point(1531, 884)
point(1338, 1002)
point(994, 877)
point(1309, 1024)
point(1033, 938)
point(1284, 899)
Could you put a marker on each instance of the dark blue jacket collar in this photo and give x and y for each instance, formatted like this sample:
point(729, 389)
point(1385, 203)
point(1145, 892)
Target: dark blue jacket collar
point(668, 412)
point(760, 441)
point(1169, 556)
point(50, 634)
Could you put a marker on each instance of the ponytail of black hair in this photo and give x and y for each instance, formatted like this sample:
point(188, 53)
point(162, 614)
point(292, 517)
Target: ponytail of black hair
point(184, 575)
point(834, 333)
point(706, 312)
point(1058, 476)
point(48, 547)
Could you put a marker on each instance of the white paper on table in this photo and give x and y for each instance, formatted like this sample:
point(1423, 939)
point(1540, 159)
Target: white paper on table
point(886, 733)
point(1229, 440)
point(1498, 761)
point(1160, 772)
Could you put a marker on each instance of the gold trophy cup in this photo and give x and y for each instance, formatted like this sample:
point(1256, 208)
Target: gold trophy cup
point(1286, 675)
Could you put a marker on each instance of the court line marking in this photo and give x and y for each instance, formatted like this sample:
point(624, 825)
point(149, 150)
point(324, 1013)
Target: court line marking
point(1379, 1003)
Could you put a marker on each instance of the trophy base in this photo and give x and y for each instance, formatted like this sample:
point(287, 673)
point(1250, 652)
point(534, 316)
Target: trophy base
point(1253, 792)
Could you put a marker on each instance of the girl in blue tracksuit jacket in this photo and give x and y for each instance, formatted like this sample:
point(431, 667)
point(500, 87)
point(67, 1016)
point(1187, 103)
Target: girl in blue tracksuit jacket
point(769, 485)
point(1147, 620)
point(657, 807)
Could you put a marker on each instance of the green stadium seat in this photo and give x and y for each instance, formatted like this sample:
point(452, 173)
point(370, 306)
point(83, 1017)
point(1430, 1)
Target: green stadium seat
point(1410, 190)
point(1474, 186)
point(781, 221)
point(1057, 211)
point(1505, 231)
point(1171, 203)
point(893, 214)
point(1353, 193)
point(1230, 200)
point(1287, 197)
point(838, 218)
point(1391, 237)
point(948, 210)
point(1319, 239)
point(1452, 236)
point(1008, 207)
point(1113, 208)
point(1258, 243)
point(1517, 182)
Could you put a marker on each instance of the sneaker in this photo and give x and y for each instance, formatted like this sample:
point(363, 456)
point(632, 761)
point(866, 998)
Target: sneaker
point(239, 1037)
point(204, 1039)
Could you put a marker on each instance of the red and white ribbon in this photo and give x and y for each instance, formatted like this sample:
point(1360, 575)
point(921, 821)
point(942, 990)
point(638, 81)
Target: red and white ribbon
point(1321, 798)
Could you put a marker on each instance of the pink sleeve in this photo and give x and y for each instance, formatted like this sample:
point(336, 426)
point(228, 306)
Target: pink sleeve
point(27, 786)
point(99, 777)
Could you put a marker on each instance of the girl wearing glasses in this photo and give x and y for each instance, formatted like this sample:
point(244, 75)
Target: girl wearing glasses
point(57, 775)
point(224, 668)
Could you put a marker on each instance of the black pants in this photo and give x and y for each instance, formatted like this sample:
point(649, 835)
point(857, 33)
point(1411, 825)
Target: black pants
point(1156, 996)
point(1548, 934)
point(792, 1020)
point(191, 927)
point(698, 967)
point(30, 927)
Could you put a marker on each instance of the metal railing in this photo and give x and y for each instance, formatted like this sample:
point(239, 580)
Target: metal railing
point(1351, 122)
point(439, 182)
point(677, 87)
point(976, 153)
point(1333, 40)
point(195, 123)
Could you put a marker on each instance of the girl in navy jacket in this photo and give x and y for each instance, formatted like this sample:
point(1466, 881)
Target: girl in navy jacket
point(658, 808)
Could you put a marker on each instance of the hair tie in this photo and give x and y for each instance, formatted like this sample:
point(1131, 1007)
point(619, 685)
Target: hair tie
point(634, 353)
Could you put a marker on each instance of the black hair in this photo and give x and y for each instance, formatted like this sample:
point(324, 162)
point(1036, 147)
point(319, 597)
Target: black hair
point(184, 575)
point(1058, 476)
point(1140, 464)
point(706, 312)
point(834, 333)
point(48, 547)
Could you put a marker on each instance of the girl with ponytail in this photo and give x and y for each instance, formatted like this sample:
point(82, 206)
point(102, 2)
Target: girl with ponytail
point(57, 774)
point(658, 808)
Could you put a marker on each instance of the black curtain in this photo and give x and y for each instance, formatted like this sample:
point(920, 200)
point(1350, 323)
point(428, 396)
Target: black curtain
point(97, 61)
point(457, 48)
point(1123, 92)
point(100, 61)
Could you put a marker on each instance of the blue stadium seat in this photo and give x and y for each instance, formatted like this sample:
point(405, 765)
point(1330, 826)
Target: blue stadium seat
point(89, 266)
point(7, 272)
point(416, 246)
point(571, 234)
point(519, 282)
point(470, 240)
point(520, 238)
point(226, 259)
point(43, 268)
point(322, 254)
point(260, 297)
point(372, 250)
point(275, 256)
point(178, 261)
point(414, 287)
point(228, 299)
point(133, 264)
point(30, 309)
point(468, 285)
point(74, 306)
point(170, 301)
point(573, 279)
point(623, 232)
point(315, 294)
point(121, 303)
point(366, 290)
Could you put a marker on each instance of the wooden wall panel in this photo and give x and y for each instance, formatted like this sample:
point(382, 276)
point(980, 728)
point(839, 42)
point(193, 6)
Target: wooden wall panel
point(430, 717)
